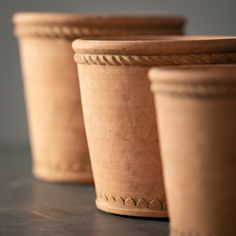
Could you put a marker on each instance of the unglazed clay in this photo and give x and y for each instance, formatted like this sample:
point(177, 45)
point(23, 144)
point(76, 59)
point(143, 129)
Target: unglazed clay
point(52, 93)
point(119, 114)
point(196, 113)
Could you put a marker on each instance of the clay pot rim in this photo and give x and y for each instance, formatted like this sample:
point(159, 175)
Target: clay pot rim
point(203, 74)
point(202, 82)
point(155, 45)
point(103, 20)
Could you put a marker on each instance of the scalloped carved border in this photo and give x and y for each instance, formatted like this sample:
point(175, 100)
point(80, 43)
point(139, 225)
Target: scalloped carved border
point(63, 166)
point(196, 90)
point(131, 202)
point(74, 32)
point(149, 60)
point(178, 232)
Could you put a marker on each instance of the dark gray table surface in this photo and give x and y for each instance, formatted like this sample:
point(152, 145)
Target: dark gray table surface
point(31, 207)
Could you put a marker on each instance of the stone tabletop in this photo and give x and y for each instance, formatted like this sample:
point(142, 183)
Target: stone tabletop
point(31, 207)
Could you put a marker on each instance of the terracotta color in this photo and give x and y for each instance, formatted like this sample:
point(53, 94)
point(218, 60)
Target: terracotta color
point(196, 113)
point(57, 133)
point(119, 114)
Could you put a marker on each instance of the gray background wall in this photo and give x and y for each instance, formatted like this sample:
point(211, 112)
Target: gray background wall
point(204, 17)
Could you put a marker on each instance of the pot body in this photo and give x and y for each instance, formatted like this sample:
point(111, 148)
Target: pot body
point(197, 133)
point(122, 136)
point(56, 125)
point(55, 118)
point(119, 114)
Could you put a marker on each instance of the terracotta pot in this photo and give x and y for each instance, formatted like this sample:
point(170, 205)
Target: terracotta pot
point(57, 133)
point(196, 113)
point(119, 114)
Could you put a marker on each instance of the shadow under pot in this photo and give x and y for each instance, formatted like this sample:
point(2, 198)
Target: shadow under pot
point(119, 113)
point(56, 125)
point(196, 113)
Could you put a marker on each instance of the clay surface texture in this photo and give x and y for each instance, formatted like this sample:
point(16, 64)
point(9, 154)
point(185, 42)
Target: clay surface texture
point(196, 113)
point(119, 113)
point(52, 93)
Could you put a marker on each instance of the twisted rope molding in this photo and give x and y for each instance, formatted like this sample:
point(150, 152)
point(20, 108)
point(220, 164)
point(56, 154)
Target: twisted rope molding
point(178, 232)
point(149, 60)
point(73, 32)
point(130, 202)
point(195, 90)
point(64, 166)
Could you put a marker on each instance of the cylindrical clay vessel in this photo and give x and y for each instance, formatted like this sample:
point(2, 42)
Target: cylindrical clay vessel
point(58, 140)
point(196, 113)
point(120, 118)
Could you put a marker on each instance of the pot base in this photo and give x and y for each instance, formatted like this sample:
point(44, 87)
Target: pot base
point(47, 174)
point(130, 211)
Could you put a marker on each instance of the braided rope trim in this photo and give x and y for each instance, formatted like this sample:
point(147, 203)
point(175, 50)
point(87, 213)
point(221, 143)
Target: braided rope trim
point(64, 166)
point(73, 32)
point(149, 60)
point(178, 232)
point(195, 90)
point(130, 202)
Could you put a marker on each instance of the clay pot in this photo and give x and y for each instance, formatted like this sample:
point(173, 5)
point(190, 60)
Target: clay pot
point(57, 133)
point(119, 114)
point(196, 113)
